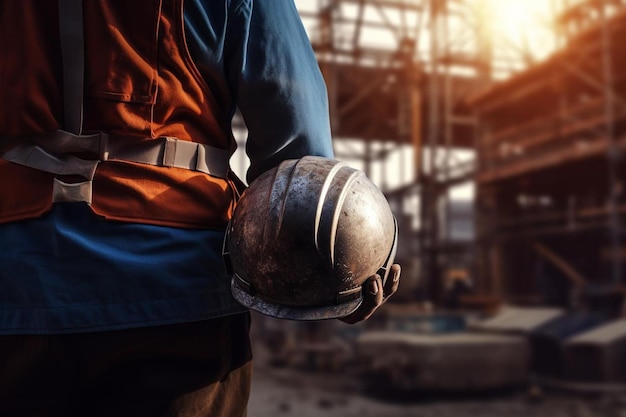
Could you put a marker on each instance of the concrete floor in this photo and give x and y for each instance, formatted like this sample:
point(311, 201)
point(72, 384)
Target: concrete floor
point(288, 392)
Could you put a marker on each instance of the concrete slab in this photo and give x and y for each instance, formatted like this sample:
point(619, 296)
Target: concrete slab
point(598, 355)
point(517, 319)
point(457, 361)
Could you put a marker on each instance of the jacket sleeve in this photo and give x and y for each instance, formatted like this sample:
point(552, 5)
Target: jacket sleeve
point(280, 90)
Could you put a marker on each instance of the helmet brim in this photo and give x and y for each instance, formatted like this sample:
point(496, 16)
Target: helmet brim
point(293, 312)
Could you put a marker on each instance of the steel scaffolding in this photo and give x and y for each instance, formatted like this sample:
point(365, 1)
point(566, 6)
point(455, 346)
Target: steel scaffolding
point(426, 75)
point(399, 74)
point(550, 176)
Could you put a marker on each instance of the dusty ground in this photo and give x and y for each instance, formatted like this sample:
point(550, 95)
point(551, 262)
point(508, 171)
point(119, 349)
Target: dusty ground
point(287, 392)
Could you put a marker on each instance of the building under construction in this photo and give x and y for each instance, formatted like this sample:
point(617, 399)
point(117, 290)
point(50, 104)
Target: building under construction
point(550, 177)
point(542, 147)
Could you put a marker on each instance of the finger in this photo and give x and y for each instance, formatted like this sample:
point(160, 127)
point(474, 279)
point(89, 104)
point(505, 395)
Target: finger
point(393, 281)
point(372, 299)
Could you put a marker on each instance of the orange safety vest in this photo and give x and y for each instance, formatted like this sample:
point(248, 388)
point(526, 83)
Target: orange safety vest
point(141, 138)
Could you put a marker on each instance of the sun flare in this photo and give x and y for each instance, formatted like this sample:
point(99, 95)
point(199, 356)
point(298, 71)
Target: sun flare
point(525, 25)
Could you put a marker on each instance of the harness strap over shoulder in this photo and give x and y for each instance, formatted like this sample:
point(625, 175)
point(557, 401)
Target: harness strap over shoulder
point(73, 57)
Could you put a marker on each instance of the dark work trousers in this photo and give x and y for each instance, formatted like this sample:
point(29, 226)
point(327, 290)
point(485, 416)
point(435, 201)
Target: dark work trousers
point(202, 368)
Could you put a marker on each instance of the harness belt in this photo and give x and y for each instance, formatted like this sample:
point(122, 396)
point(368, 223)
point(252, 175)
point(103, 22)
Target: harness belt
point(50, 153)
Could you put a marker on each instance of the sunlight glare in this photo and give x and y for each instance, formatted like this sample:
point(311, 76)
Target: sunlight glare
point(524, 25)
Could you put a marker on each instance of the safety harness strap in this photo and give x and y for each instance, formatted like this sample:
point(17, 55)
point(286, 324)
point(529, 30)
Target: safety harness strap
point(172, 152)
point(73, 58)
point(166, 152)
point(48, 152)
point(38, 158)
point(63, 192)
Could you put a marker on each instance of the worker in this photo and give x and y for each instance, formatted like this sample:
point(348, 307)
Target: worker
point(115, 136)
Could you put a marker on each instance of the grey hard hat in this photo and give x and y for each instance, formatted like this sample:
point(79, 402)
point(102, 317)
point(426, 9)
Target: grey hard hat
point(305, 236)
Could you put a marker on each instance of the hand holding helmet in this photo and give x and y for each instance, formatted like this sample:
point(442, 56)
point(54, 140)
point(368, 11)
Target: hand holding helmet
point(373, 297)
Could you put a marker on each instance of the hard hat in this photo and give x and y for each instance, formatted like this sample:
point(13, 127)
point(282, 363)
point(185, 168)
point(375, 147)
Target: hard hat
point(305, 236)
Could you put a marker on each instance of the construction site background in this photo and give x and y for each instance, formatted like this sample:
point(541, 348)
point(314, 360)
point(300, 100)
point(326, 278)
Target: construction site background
point(500, 152)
